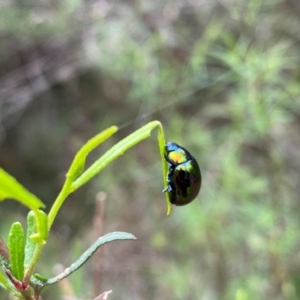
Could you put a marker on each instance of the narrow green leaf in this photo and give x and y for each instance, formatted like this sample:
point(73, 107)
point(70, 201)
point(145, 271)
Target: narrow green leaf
point(76, 169)
point(37, 280)
point(37, 234)
point(30, 244)
point(39, 277)
point(16, 250)
point(79, 161)
point(4, 282)
point(115, 152)
point(42, 228)
point(4, 255)
point(122, 147)
point(113, 236)
point(4, 262)
point(161, 145)
point(11, 188)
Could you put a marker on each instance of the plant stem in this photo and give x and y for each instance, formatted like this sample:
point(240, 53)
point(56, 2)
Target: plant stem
point(59, 201)
point(34, 260)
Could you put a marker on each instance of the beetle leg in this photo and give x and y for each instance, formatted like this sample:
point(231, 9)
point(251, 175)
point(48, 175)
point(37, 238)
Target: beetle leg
point(168, 188)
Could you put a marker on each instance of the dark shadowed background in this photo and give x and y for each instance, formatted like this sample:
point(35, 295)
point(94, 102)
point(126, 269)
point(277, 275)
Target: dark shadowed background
point(223, 78)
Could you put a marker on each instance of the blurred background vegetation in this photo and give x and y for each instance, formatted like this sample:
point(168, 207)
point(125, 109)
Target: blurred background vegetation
point(223, 78)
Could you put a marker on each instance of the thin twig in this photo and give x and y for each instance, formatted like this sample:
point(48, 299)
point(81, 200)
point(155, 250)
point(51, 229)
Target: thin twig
point(98, 231)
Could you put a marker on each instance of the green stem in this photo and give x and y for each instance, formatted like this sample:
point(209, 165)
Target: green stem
point(59, 201)
point(161, 144)
point(110, 237)
point(34, 260)
point(9, 288)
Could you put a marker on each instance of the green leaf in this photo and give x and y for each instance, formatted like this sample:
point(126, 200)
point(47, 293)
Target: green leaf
point(11, 188)
point(37, 234)
point(161, 145)
point(4, 256)
point(4, 262)
point(113, 236)
point(37, 280)
point(3, 282)
point(16, 250)
point(115, 152)
point(76, 169)
point(79, 161)
point(42, 228)
point(6, 284)
point(30, 244)
point(119, 149)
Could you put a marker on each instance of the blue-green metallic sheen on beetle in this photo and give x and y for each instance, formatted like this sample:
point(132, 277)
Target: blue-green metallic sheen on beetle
point(184, 176)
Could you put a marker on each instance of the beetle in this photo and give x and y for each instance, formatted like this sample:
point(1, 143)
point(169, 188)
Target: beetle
point(184, 176)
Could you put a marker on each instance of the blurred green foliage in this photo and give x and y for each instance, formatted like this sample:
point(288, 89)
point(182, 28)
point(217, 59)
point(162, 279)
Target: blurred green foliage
point(223, 77)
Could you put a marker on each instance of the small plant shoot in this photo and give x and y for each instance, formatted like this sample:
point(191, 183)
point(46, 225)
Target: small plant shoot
point(181, 178)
